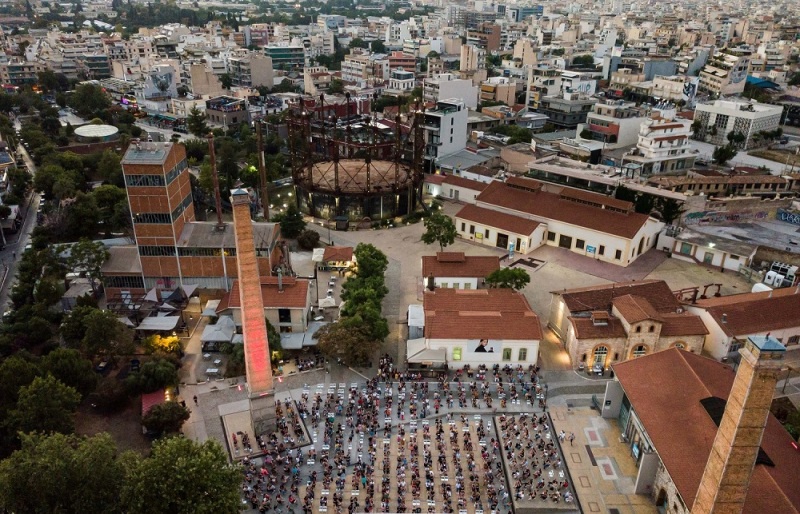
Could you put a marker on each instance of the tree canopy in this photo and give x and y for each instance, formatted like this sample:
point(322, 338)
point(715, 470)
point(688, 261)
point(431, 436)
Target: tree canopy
point(439, 228)
point(513, 278)
point(183, 477)
point(46, 405)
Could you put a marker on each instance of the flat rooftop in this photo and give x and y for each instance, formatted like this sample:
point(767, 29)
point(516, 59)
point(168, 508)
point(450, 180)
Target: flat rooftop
point(203, 234)
point(773, 234)
point(147, 153)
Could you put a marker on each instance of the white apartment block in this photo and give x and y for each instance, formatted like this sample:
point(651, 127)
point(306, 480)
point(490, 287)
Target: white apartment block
point(746, 117)
point(662, 146)
point(446, 85)
point(445, 128)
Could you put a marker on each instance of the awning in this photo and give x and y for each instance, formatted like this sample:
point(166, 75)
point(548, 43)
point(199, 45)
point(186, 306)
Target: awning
point(417, 352)
point(159, 323)
point(292, 340)
point(126, 321)
point(211, 308)
point(152, 295)
point(327, 302)
point(221, 332)
point(317, 254)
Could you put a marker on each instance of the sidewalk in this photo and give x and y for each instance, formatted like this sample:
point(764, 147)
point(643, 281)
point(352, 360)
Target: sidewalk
point(601, 467)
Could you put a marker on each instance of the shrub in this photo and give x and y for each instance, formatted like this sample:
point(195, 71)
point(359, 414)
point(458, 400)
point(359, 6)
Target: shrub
point(308, 239)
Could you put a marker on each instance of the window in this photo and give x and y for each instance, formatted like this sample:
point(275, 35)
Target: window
point(686, 248)
point(152, 218)
point(463, 227)
point(600, 354)
point(444, 285)
point(551, 236)
point(733, 257)
point(680, 345)
point(639, 351)
point(124, 281)
point(472, 229)
point(486, 233)
point(618, 254)
point(792, 340)
point(602, 250)
point(457, 353)
point(467, 285)
point(638, 328)
point(652, 328)
point(523, 354)
point(506, 354)
point(580, 244)
point(144, 180)
point(157, 251)
point(284, 316)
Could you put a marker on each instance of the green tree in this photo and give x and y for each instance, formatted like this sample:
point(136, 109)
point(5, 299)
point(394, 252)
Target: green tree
point(46, 405)
point(153, 375)
point(439, 228)
point(377, 47)
point(72, 369)
point(291, 222)
point(226, 81)
point(583, 60)
point(308, 239)
point(183, 477)
point(89, 100)
point(88, 257)
point(84, 475)
point(103, 334)
point(16, 372)
point(723, 154)
point(110, 201)
point(336, 87)
point(371, 261)
point(351, 345)
point(110, 169)
point(196, 123)
point(82, 217)
point(165, 418)
point(513, 278)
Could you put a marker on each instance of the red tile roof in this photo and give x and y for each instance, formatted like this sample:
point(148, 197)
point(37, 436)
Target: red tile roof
point(446, 264)
point(498, 220)
point(634, 308)
point(435, 179)
point(747, 315)
point(479, 314)
point(294, 295)
point(552, 206)
point(585, 328)
point(684, 324)
point(338, 254)
point(668, 405)
point(657, 293)
point(466, 183)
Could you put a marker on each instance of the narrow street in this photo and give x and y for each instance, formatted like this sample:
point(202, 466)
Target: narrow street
point(15, 243)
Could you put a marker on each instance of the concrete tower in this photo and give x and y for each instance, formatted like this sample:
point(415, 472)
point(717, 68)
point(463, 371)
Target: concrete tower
point(254, 326)
point(726, 478)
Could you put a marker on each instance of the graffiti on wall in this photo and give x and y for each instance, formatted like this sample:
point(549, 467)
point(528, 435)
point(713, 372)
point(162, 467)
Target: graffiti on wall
point(705, 217)
point(788, 217)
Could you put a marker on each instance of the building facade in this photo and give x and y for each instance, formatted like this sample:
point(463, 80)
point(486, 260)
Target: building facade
point(746, 117)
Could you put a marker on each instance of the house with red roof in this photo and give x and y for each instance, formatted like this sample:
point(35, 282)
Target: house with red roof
point(484, 326)
point(521, 214)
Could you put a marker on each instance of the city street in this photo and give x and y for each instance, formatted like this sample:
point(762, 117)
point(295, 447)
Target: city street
point(15, 243)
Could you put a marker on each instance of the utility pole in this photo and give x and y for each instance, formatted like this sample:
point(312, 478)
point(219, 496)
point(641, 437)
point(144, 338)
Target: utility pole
point(262, 171)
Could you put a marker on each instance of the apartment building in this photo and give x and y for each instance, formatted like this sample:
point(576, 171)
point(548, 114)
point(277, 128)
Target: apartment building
point(286, 57)
point(614, 122)
point(725, 72)
point(445, 129)
point(227, 112)
point(746, 117)
point(662, 145)
point(251, 70)
point(499, 89)
point(566, 111)
point(446, 85)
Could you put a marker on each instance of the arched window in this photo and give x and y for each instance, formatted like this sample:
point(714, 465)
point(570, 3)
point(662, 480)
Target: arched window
point(600, 355)
point(680, 344)
point(639, 351)
point(652, 328)
point(639, 328)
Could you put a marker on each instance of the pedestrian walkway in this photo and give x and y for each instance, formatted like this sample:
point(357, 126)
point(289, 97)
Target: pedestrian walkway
point(601, 467)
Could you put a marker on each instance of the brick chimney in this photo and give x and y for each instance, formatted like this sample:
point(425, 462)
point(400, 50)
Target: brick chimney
point(726, 478)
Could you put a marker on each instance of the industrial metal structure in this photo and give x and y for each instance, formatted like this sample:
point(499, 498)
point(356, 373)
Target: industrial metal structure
point(354, 166)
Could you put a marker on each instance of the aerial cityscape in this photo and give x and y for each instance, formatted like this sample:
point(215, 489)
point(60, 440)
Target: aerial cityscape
point(416, 256)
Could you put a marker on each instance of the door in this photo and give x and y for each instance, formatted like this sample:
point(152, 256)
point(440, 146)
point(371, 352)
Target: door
point(519, 245)
point(708, 258)
point(455, 194)
point(502, 241)
point(565, 242)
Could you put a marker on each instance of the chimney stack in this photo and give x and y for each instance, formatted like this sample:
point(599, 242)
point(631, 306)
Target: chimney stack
point(280, 280)
point(215, 177)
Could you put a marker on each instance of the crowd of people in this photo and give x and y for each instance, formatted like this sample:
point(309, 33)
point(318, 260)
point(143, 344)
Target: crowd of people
point(399, 444)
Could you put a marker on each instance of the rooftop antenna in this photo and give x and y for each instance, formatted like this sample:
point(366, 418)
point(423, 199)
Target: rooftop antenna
point(215, 178)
